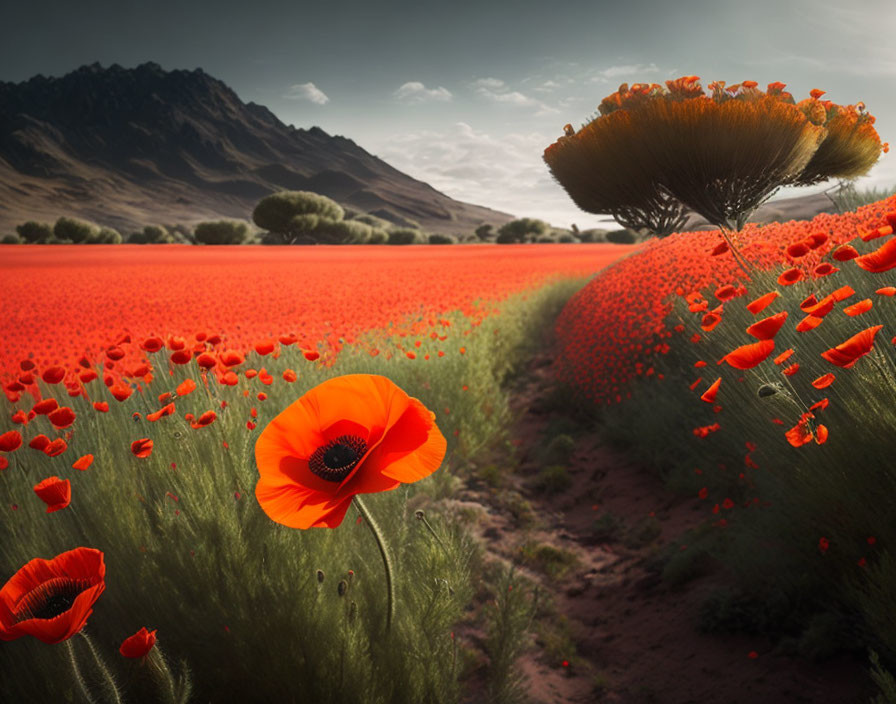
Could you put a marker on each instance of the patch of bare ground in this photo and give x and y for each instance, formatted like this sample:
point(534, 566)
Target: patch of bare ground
point(586, 523)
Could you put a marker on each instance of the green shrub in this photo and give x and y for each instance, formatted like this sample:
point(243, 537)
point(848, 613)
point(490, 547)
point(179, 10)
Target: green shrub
point(556, 563)
point(105, 235)
point(278, 213)
point(553, 479)
point(222, 232)
point(405, 235)
point(11, 239)
point(74, 230)
point(522, 230)
point(437, 238)
point(152, 234)
point(34, 232)
point(484, 232)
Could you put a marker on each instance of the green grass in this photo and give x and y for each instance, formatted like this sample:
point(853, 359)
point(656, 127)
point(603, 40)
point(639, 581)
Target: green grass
point(234, 595)
point(784, 499)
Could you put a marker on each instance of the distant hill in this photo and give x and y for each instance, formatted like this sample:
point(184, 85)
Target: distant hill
point(131, 147)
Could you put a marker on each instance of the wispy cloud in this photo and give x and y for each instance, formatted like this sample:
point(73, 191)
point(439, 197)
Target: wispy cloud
point(504, 171)
point(307, 91)
point(416, 92)
point(497, 91)
point(626, 70)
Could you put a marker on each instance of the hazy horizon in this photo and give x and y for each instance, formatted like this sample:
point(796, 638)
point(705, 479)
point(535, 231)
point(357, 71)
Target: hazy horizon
point(467, 97)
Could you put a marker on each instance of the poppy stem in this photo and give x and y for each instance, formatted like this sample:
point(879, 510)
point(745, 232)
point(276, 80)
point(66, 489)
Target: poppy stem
point(76, 671)
point(163, 673)
point(735, 252)
point(101, 666)
point(387, 562)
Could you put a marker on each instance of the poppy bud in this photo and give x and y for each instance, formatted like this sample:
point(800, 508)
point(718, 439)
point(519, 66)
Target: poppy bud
point(767, 390)
point(342, 587)
point(320, 576)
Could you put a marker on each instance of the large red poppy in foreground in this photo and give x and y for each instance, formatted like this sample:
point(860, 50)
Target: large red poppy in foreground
point(354, 434)
point(51, 599)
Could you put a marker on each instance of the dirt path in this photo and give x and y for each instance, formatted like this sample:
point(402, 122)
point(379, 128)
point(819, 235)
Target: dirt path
point(631, 636)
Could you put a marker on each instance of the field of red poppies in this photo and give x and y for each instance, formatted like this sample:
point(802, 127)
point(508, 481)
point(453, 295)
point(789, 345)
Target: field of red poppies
point(65, 302)
point(146, 522)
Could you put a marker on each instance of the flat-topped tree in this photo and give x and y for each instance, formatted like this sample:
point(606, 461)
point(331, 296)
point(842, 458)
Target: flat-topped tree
point(654, 152)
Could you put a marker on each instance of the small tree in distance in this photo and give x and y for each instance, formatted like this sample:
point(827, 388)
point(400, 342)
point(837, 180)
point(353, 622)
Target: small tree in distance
point(222, 232)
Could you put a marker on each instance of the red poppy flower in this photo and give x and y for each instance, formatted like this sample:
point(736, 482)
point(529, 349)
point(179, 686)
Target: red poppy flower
point(181, 356)
point(101, 406)
point(232, 358)
point(858, 308)
point(53, 375)
point(185, 387)
point(767, 328)
point(11, 440)
point(881, 259)
point(824, 381)
point(844, 253)
point(886, 291)
point(710, 394)
point(783, 357)
point(206, 418)
point(354, 434)
point(55, 447)
point(139, 644)
point(39, 442)
point(56, 493)
point(707, 324)
point(289, 376)
point(44, 407)
point(810, 322)
point(62, 417)
point(121, 392)
point(790, 277)
point(52, 599)
point(763, 302)
point(815, 241)
point(206, 360)
point(825, 269)
point(748, 356)
point(791, 370)
point(264, 348)
point(142, 448)
point(311, 356)
point(83, 462)
point(166, 410)
point(152, 344)
point(846, 354)
point(797, 250)
point(726, 293)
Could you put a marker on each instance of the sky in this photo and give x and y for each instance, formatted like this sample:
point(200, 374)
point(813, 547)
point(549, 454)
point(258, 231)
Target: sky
point(467, 95)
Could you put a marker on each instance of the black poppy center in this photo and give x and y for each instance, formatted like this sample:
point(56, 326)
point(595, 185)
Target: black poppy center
point(50, 599)
point(335, 460)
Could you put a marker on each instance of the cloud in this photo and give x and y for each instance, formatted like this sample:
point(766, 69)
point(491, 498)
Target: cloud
point(626, 70)
point(416, 92)
point(503, 171)
point(497, 91)
point(307, 91)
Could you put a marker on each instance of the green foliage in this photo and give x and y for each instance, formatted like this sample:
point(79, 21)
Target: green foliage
point(484, 232)
point(372, 220)
point(405, 235)
point(378, 237)
point(277, 213)
point(558, 449)
point(847, 198)
point(152, 234)
point(437, 238)
point(884, 681)
point(74, 230)
point(509, 616)
point(222, 232)
point(556, 563)
point(521, 230)
point(624, 236)
point(11, 239)
point(34, 232)
point(553, 479)
point(189, 551)
point(105, 235)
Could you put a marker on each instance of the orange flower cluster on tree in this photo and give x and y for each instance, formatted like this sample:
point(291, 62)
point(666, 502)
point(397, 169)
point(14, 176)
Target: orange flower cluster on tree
point(654, 152)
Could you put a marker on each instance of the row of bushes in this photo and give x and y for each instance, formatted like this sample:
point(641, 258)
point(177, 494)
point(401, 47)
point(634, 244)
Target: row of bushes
point(301, 217)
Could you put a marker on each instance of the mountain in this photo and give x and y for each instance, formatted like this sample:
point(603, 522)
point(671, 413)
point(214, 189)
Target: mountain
point(131, 147)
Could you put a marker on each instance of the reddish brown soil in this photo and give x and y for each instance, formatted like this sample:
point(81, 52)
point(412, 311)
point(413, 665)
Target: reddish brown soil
point(635, 638)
